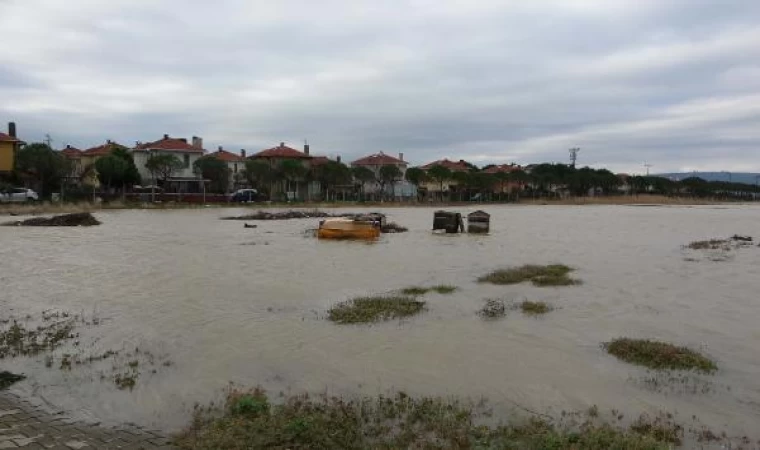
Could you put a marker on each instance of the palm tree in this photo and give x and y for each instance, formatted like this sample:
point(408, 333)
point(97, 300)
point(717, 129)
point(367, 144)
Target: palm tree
point(258, 174)
point(440, 174)
point(521, 178)
point(292, 171)
point(503, 178)
point(463, 180)
point(416, 176)
point(389, 174)
point(363, 175)
point(163, 165)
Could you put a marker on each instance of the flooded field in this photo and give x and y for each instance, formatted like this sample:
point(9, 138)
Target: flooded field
point(199, 302)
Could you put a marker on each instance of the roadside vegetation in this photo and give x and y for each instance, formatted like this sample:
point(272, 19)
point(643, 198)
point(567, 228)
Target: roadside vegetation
point(375, 309)
point(550, 275)
point(249, 420)
point(659, 355)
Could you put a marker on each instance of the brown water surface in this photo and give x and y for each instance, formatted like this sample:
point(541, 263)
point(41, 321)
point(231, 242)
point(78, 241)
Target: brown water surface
point(228, 304)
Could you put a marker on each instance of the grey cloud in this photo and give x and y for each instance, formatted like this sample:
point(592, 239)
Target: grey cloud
point(672, 82)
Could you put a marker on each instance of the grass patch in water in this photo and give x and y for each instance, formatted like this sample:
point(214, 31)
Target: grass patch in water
point(415, 290)
point(710, 244)
point(444, 289)
point(551, 275)
point(535, 308)
point(375, 308)
point(18, 340)
point(659, 355)
point(249, 420)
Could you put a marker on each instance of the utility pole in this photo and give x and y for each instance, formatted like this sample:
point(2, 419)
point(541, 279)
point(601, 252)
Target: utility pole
point(573, 156)
point(647, 167)
point(48, 141)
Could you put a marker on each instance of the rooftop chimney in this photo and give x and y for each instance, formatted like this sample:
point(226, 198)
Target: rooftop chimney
point(306, 148)
point(12, 129)
point(338, 158)
point(220, 148)
point(197, 143)
point(242, 153)
point(282, 144)
point(166, 136)
point(68, 145)
point(108, 141)
point(401, 156)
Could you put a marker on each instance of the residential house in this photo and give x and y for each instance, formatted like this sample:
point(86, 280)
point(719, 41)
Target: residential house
point(375, 162)
point(87, 159)
point(9, 145)
point(74, 155)
point(433, 187)
point(183, 179)
point(295, 188)
point(235, 163)
point(507, 187)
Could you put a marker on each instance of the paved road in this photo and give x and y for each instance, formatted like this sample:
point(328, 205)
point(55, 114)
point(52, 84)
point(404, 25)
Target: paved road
point(22, 425)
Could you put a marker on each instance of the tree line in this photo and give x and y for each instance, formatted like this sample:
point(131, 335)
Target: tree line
point(48, 171)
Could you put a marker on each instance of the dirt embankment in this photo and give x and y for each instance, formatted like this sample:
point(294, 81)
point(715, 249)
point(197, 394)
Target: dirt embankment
point(84, 219)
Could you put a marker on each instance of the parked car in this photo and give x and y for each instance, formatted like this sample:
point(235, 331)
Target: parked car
point(18, 195)
point(245, 195)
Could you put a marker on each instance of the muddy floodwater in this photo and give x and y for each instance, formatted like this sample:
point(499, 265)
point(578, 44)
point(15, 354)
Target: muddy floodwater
point(211, 302)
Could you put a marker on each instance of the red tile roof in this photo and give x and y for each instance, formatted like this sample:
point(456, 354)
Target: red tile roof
point(506, 168)
point(71, 152)
point(6, 138)
point(283, 151)
point(378, 159)
point(102, 150)
point(459, 166)
point(170, 144)
point(319, 160)
point(226, 156)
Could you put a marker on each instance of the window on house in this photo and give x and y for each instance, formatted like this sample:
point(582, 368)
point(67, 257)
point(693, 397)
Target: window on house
point(234, 169)
point(187, 161)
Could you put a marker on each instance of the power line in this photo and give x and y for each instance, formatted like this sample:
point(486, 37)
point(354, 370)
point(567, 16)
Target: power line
point(574, 155)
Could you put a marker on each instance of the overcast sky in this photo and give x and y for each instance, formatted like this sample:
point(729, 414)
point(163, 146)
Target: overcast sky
point(673, 83)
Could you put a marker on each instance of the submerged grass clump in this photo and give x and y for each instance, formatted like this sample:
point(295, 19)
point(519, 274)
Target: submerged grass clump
point(551, 275)
point(420, 290)
point(493, 309)
point(659, 355)
point(249, 420)
point(376, 308)
point(18, 340)
point(535, 308)
point(444, 289)
point(710, 244)
point(415, 290)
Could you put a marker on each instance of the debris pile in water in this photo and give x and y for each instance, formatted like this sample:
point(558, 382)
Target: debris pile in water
point(84, 219)
point(286, 215)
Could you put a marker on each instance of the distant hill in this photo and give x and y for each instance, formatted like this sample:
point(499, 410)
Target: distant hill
point(736, 177)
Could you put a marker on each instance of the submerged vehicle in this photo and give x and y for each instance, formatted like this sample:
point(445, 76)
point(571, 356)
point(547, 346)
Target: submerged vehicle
point(346, 228)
